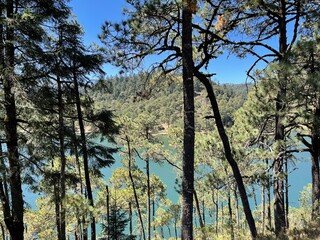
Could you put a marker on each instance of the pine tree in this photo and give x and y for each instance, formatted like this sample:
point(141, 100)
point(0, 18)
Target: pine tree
point(117, 224)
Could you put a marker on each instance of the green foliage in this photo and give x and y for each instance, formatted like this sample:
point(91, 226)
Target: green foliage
point(115, 228)
point(162, 100)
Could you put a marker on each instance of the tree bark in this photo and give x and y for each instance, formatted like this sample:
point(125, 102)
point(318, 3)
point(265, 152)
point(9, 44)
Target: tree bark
point(175, 229)
point(237, 206)
point(134, 189)
point(57, 208)
point(203, 212)
point(278, 186)
point(81, 222)
point(315, 157)
point(263, 210)
point(228, 152)
point(84, 152)
point(287, 192)
point(215, 201)
point(189, 135)
point(198, 209)
point(230, 216)
point(130, 219)
point(3, 233)
point(13, 216)
point(268, 201)
point(108, 211)
point(62, 162)
point(149, 198)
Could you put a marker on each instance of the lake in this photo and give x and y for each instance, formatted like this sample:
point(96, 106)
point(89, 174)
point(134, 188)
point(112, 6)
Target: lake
point(299, 177)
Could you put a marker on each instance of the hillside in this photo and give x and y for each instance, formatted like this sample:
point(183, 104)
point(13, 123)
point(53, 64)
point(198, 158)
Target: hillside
point(162, 97)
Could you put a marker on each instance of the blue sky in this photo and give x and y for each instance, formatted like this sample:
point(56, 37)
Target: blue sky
point(91, 14)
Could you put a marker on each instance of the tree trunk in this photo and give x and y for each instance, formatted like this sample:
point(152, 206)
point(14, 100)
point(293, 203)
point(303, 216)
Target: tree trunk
point(13, 213)
point(268, 200)
point(278, 186)
point(228, 152)
point(263, 210)
point(130, 219)
point(149, 202)
point(62, 162)
point(237, 206)
point(153, 214)
point(254, 197)
point(108, 211)
point(315, 157)
point(198, 209)
point(169, 231)
point(203, 212)
point(189, 135)
point(230, 216)
point(215, 201)
point(175, 229)
point(57, 209)
point(162, 232)
point(287, 193)
point(84, 153)
point(134, 189)
point(84, 229)
point(3, 233)
point(75, 143)
point(222, 214)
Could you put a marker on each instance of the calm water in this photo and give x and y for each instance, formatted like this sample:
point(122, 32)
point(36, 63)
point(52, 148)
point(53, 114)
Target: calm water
point(299, 177)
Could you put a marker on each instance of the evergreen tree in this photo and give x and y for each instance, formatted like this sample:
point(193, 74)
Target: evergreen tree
point(117, 224)
point(21, 25)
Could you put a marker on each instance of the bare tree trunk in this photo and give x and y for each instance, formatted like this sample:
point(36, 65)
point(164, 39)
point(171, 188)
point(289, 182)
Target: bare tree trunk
point(169, 230)
point(162, 232)
point(269, 224)
point(237, 206)
point(188, 142)
point(175, 229)
point(81, 223)
point(84, 152)
point(153, 214)
point(84, 229)
point(230, 216)
point(215, 201)
point(228, 152)
point(263, 211)
point(254, 196)
point(148, 199)
point(198, 209)
point(315, 157)
point(134, 189)
point(203, 212)
point(108, 211)
point(130, 219)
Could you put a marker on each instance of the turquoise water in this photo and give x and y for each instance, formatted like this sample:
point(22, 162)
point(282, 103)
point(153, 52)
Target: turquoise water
point(300, 176)
point(165, 171)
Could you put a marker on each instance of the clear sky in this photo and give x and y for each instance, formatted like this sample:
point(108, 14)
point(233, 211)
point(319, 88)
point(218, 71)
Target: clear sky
point(91, 14)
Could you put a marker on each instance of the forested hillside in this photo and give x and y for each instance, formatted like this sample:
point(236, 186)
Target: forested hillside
point(161, 96)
